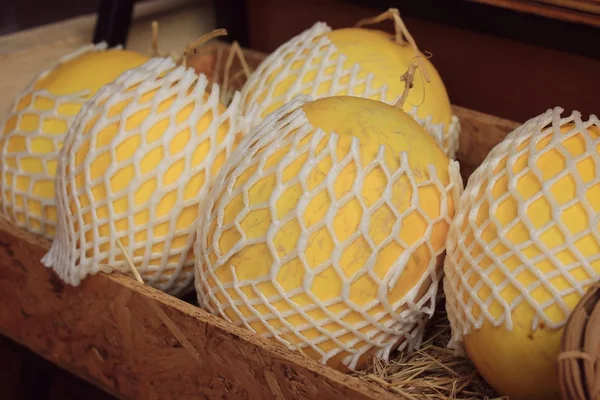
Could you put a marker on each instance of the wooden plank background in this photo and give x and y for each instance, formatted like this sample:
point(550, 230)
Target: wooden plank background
point(580, 11)
point(490, 74)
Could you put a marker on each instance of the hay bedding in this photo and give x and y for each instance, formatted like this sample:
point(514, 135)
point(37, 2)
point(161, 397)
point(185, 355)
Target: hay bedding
point(433, 371)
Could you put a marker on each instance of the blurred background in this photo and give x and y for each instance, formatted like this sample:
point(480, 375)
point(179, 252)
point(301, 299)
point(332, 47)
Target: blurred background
point(510, 58)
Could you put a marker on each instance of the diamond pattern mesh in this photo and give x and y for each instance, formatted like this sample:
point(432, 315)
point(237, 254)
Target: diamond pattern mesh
point(311, 64)
point(30, 139)
point(135, 168)
point(527, 229)
point(316, 259)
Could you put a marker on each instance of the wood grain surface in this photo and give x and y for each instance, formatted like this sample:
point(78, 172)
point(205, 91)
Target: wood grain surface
point(139, 343)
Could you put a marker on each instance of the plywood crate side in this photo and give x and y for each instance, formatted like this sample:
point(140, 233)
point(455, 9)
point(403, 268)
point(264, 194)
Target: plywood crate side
point(137, 342)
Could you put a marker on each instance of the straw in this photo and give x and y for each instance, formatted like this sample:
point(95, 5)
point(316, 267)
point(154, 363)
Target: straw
point(432, 372)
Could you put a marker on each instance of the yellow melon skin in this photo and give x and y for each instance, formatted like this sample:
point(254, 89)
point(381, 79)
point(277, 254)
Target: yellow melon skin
point(35, 128)
point(511, 276)
point(297, 68)
point(136, 166)
point(532, 365)
point(328, 271)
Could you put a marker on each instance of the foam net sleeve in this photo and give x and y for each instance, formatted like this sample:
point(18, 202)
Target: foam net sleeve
point(527, 227)
point(311, 52)
point(135, 168)
point(294, 310)
point(27, 168)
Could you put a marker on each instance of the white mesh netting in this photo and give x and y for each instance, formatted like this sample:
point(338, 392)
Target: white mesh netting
point(527, 227)
point(270, 257)
point(310, 52)
point(37, 120)
point(136, 167)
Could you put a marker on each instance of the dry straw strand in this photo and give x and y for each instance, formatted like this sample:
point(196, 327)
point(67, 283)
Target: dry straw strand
point(133, 269)
point(235, 50)
point(432, 372)
point(155, 50)
point(164, 318)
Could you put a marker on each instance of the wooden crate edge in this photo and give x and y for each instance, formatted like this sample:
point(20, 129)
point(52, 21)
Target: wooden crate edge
point(121, 336)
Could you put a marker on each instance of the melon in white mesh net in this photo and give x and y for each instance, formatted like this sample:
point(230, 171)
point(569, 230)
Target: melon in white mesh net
point(308, 240)
point(311, 63)
point(523, 249)
point(35, 128)
point(527, 227)
point(135, 169)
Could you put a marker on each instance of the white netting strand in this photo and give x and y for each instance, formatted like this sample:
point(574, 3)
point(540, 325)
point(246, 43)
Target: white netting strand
point(311, 52)
point(26, 169)
point(291, 251)
point(527, 226)
point(136, 166)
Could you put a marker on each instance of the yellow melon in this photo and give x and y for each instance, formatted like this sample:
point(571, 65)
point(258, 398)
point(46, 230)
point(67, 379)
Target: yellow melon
point(325, 230)
point(361, 62)
point(135, 169)
point(34, 130)
point(523, 249)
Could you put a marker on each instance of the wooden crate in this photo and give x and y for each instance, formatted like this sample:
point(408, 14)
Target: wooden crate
point(137, 342)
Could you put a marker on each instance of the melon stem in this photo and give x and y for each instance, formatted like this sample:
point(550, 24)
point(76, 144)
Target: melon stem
point(408, 78)
point(155, 51)
point(193, 46)
point(401, 32)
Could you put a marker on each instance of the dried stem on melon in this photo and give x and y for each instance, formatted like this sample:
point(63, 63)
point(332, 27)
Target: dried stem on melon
point(408, 77)
point(155, 50)
point(193, 46)
point(402, 38)
point(401, 32)
point(190, 48)
point(235, 50)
